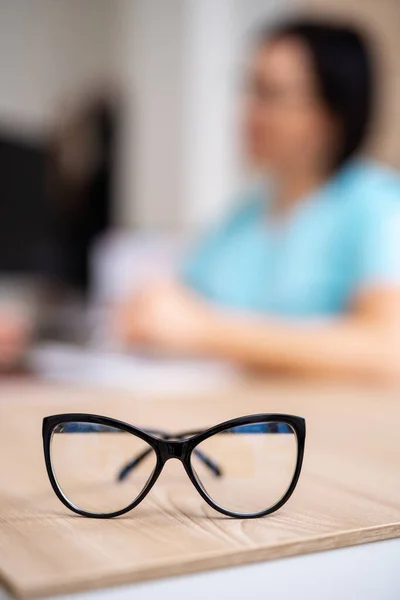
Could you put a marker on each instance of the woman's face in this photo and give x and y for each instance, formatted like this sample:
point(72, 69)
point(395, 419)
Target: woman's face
point(287, 126)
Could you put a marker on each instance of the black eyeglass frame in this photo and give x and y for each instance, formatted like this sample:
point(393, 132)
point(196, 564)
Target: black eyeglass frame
point(180, 449)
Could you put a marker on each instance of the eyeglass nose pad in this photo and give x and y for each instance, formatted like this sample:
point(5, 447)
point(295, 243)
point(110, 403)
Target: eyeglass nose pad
point(173, 449)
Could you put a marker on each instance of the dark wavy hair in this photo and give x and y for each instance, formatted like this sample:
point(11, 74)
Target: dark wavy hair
point(343, 69)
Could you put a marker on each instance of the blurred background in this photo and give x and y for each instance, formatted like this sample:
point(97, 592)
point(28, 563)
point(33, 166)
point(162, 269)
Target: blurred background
point(119, 140)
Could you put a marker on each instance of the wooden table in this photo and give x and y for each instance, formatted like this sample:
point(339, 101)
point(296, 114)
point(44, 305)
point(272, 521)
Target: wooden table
point(349, 491)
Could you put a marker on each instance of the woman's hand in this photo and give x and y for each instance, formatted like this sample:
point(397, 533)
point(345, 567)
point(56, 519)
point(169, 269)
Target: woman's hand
point(165, 316)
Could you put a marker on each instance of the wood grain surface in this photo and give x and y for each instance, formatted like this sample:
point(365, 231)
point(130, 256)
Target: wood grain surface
point(349, 491)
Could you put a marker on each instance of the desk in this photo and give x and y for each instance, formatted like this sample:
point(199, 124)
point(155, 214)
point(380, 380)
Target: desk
point(355, 496)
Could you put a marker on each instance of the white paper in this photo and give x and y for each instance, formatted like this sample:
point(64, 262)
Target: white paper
point(66, 363)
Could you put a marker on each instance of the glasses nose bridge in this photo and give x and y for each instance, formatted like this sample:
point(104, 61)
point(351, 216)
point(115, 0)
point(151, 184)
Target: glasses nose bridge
point(173, 449)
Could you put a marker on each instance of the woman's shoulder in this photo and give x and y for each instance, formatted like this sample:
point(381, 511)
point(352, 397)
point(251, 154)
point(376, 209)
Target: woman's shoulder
point(366, 183)
point(371, 196)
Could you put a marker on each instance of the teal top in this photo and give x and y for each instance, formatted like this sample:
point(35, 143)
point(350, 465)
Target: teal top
point(341, 239)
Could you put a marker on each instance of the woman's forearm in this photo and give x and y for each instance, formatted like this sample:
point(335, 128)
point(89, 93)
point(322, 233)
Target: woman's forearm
point(338, 347)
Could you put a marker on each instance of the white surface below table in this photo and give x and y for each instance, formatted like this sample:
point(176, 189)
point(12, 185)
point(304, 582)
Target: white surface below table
point(365, 572)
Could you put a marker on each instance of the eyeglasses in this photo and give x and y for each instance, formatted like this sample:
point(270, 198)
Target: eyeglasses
point(246, 467)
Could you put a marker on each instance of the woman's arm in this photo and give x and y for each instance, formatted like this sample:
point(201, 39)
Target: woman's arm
point(364, 343)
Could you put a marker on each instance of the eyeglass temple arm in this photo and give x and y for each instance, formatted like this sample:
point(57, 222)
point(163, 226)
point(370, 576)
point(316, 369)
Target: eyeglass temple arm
point(138, 459)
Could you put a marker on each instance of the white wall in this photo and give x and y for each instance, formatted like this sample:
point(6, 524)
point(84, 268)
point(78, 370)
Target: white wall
point(148, 62)
point(209, 156)
point(48, 48)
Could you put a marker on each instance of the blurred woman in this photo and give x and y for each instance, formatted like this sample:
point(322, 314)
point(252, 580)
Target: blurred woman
point(304, 275)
